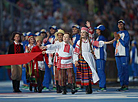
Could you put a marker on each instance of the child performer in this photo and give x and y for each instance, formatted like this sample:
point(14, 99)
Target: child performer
point(65, 62)
point(39, 65)
point(31, 44)
point(134, 60)
point(84, 60)
point(28, 49)
point(16, 70)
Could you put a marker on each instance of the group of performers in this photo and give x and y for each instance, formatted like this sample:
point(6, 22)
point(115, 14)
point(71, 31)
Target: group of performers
point(73, 59)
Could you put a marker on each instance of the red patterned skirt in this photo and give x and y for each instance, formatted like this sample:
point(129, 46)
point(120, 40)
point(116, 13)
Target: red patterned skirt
point(84, 73)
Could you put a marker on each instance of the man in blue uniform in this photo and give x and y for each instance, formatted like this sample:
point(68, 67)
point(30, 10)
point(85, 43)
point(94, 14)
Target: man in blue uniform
point(75, 34)
point(122, 54)
point(50, 73)
point(24, 43)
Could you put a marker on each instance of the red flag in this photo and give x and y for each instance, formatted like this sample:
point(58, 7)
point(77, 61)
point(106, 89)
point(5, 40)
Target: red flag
point(17, 59)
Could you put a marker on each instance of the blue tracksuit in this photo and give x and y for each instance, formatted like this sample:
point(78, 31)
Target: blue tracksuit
point(24, 75)
point(47, 76)
point(75, 39)
point(133, 56)
point(122, 56)
point(51, 39)
point(25, 43)
point(101, 55)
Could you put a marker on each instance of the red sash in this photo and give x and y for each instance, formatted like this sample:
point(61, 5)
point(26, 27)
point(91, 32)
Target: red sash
point(59, 61)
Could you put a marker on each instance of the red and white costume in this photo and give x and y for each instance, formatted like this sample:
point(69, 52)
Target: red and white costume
point(29, 48)
point(87, 55)
point(56, 54)
point(65, 53)
point(39, 60)
point(91, 33)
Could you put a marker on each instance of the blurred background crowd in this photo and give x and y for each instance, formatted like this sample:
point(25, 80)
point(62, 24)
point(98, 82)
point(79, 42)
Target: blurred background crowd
point(34, 15)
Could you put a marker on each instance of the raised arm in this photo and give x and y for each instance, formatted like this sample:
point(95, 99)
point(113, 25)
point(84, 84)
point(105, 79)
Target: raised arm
point(91, 31)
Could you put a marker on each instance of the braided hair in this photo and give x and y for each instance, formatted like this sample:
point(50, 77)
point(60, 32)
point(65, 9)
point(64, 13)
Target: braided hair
point(89, 43)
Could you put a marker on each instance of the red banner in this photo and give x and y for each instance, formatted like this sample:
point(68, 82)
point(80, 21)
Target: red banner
point(17, 59)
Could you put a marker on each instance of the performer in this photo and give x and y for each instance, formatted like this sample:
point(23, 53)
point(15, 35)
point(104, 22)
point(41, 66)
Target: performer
point(45, 36)
point(53, 30)
point(43, 33)
point(16, 70)
point(76, 38)
point(84, 60)
point(65, 61)
point(25, 41)
point(122, 54)
point(59, 36)
point(75, 34)
point(28, 66)
point(101, 55)
point(50, 39)
point(134, 60)
point(39, 65)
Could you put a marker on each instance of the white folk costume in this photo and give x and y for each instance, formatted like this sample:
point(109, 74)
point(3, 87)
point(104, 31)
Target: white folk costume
point(64, 62)
point(29, 68)
point(64, 54)
point(88, 57)
point(56, 72)
point(83, 54)
point(87, 54)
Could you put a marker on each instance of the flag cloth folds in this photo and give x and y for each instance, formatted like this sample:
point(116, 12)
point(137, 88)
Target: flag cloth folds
point(17, 59)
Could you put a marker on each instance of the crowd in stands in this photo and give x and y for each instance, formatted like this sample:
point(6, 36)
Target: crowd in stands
point(38, 14)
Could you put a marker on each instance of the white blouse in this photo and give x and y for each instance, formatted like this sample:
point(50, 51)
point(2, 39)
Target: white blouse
point(61, 52)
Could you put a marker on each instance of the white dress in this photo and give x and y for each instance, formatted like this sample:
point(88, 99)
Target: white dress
point(88, 56)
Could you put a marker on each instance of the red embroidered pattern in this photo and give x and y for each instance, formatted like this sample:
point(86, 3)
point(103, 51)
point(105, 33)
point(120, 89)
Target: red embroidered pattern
point(67, 48)
point(17, 48)
point(77, 50)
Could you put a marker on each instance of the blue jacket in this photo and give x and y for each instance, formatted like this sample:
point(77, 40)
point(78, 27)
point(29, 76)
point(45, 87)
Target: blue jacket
point(25, 43)
point(100, 52)
point(51, 39)
point(122, 45)
point(75, 37)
